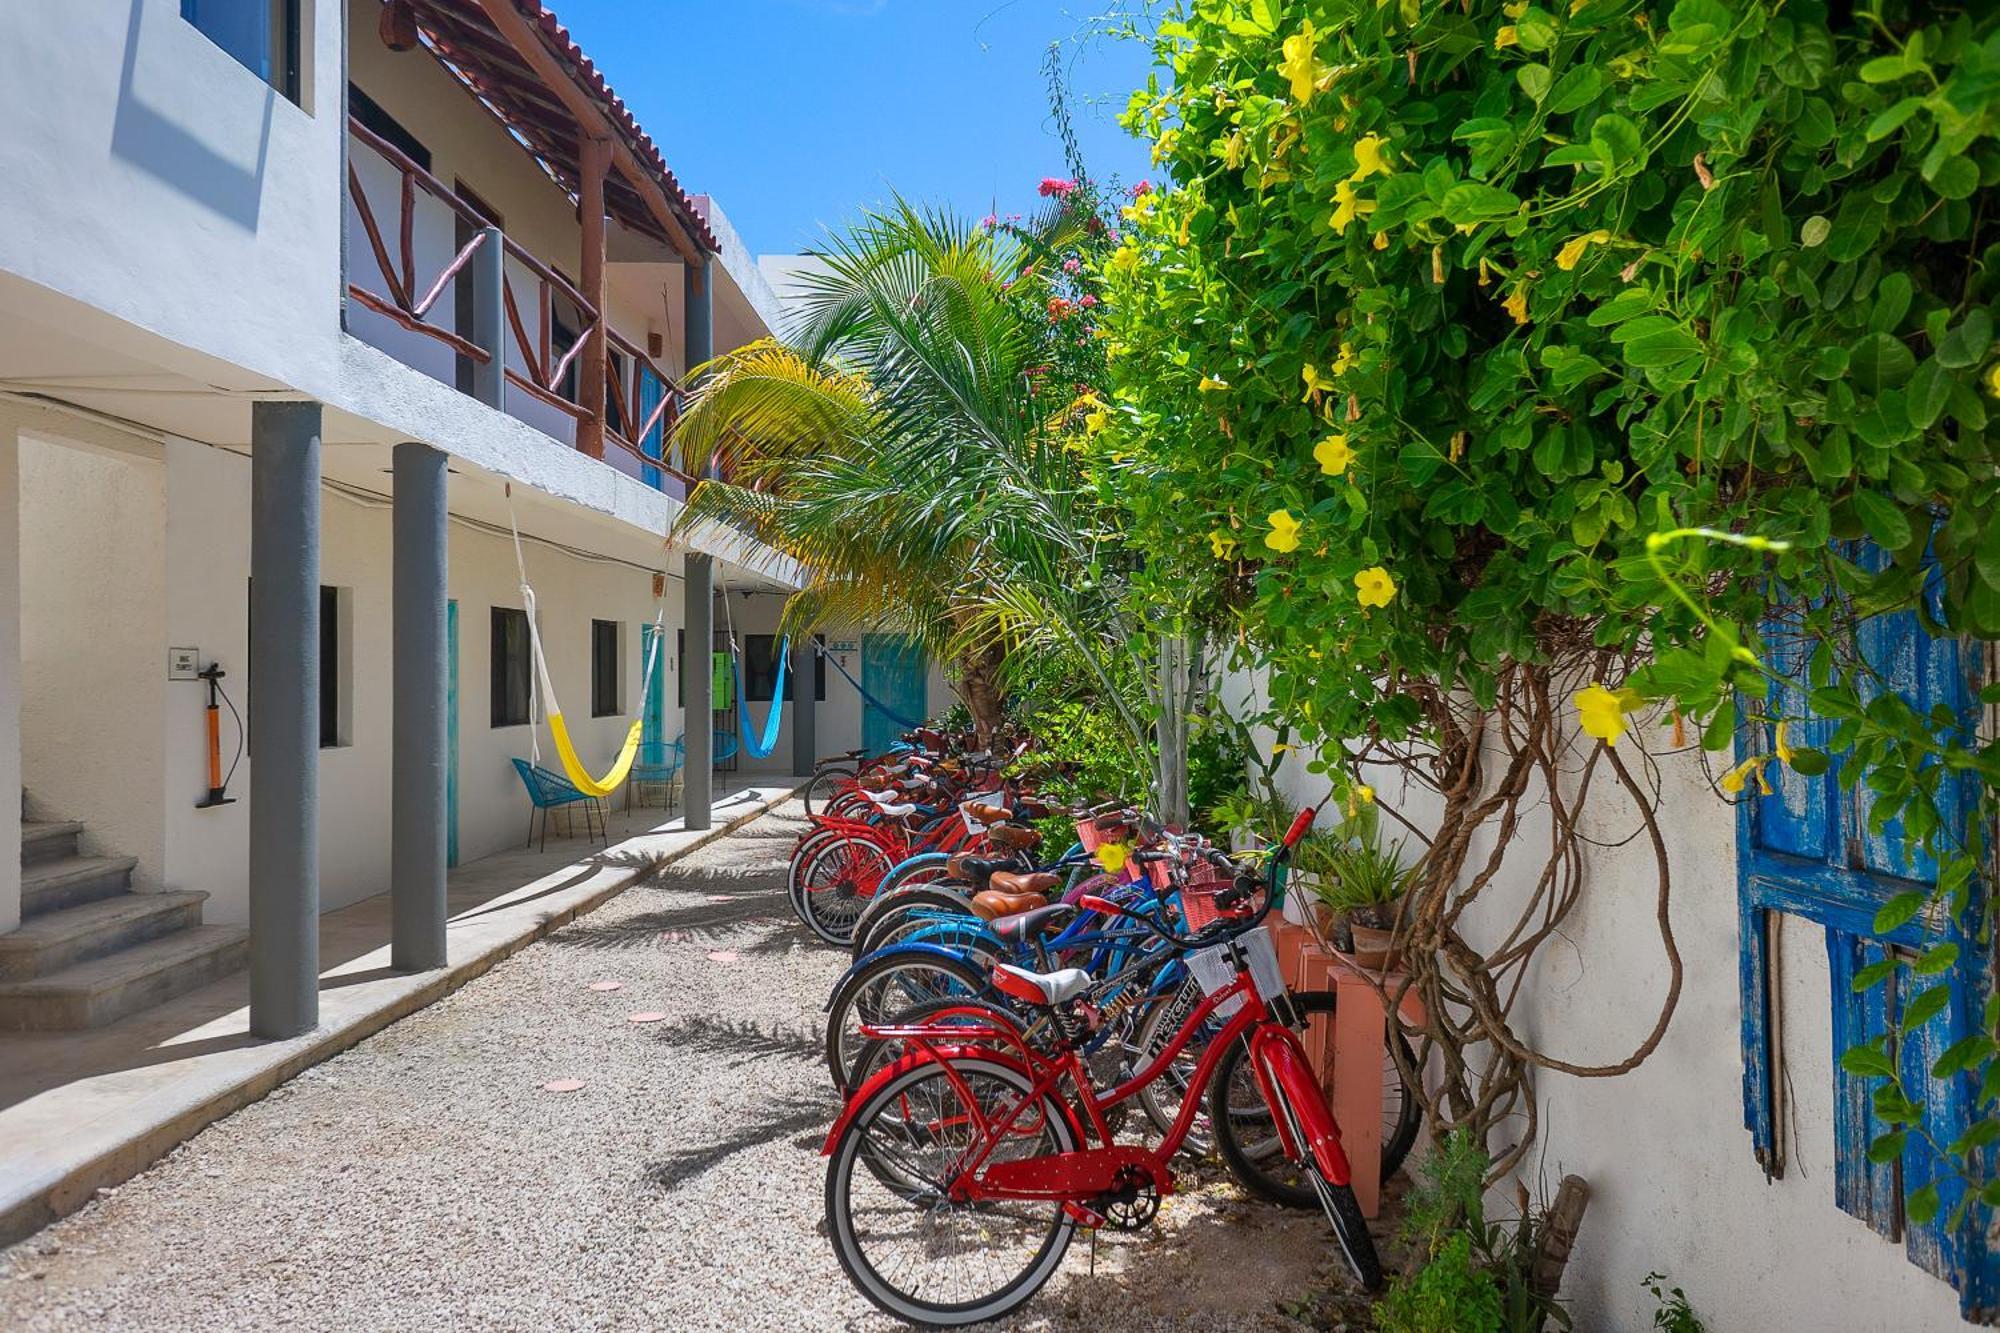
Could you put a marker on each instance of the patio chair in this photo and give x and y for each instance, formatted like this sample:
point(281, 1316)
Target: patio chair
point(552, 791)
point(659, 765)
point(725, 748)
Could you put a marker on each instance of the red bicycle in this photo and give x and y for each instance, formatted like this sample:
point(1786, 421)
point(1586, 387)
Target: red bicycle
point(958, 1175)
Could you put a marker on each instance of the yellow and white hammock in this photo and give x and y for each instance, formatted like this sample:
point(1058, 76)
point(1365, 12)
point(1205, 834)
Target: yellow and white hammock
point(542, 694)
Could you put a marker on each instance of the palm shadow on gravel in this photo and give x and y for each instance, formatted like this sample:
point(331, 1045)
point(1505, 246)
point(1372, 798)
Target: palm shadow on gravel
point(706, 1035)
point(635, 932)
point(779, 1120)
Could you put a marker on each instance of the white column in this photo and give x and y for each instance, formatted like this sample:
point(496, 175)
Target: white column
point(10, 676)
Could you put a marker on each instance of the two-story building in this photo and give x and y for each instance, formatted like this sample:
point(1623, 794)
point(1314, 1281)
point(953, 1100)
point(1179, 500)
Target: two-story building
point(307, 308)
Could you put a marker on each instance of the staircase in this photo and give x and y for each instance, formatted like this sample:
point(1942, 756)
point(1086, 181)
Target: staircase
point(89, 950)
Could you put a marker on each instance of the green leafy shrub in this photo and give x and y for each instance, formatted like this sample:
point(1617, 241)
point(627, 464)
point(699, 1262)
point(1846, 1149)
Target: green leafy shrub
point(1674, 1314)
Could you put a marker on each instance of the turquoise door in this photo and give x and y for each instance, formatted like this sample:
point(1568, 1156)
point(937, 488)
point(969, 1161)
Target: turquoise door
point(654, 723)
point(894, 672)
point(451, 733)
point(651, 390)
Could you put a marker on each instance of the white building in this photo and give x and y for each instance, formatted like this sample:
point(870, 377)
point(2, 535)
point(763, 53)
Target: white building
point(290, 295)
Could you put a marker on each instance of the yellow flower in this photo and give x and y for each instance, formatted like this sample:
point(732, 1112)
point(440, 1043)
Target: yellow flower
point(1095, 422)
point(1516, 305)
point(1301, 65)
point(1783, 746)
point(1374, 587)
point(1112, 856)
point(1381, 240)
point(1506, 37)
point(1368, 159)
point(1736, 778)
point(1316, 383)
point(1333, 454)
point(1571, 254)
point(1515, 10)
point(1284, 534)
point(1345, 361)
point(1602, 712)
point(1485, 272)
point(1993, 380)
point(1165, 146)
point(1365, 794)
point(1233, 149)
point(1210, 384)
point(1222, 544)
point(1125, 260)
point(1347, 206)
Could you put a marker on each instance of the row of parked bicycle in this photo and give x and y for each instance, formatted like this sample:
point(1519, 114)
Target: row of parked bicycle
point(1008, 1015)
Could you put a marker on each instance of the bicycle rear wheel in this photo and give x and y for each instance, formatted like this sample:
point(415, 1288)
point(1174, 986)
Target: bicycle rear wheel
point(910, 1248)
point(882, 992)
point(825, 782)
point(835, 885)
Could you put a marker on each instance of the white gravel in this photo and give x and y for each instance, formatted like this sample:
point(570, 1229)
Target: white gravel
point(425, 1180)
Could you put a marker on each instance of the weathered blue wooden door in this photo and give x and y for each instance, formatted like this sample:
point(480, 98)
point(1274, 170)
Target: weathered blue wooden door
point(1808, 850)
point(894, 672)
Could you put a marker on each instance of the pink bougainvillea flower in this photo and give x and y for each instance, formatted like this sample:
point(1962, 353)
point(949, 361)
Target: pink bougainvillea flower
point(1072, 265)
point(1142, 188)
point(1056, 187)
point(989, 222)
point(1088, 302)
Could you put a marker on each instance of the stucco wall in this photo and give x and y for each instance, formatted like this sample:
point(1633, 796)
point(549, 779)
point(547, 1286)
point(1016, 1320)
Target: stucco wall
point(93, 665)
point(151, 175)
point(1674, 1186)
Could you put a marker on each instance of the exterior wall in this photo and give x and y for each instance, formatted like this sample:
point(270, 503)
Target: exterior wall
point(10, 679)
point(137, 148)
point(1674, 1187)
point(93, 662)
point(209, 562)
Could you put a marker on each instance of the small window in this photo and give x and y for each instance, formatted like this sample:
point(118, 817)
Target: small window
point(604, 695)
point(262, 36)
point(510, 667)
point(331, 683)
point(760, 666)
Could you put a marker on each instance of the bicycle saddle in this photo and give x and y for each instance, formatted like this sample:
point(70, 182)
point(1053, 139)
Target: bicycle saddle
point(1045, 988)
point(1036, 882)
point(987, 814)
point(992, 905)
point(1012, 837)
point(1029, 926)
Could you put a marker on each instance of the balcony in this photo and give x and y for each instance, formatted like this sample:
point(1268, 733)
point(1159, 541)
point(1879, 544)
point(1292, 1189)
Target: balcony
point(432, 282)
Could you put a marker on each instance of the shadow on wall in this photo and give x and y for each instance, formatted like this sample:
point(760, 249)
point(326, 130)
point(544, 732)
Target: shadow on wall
point(177, 154)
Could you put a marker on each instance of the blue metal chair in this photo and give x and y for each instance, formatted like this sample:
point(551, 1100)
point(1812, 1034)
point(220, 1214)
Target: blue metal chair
point(552, 791)
point(725, 748)
point(658, 765)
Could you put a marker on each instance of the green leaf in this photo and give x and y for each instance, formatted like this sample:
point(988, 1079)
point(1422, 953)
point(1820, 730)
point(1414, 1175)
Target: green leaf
point(1884, 521)
point(1809, 763)
point(1938, 958)
point(1867, 1062)
point(1874, 975)
point(1888, 1147)
point(1930, 391)
point(1578, 88)
point(1619, 143)
point(1535, 80)
point(1891, 120)
point(1469, 202)
point(1881, 361)
point(1966, 345)
point(1885, 69)
point(1928, 1005)
point(1921, 1205)
point(1899, 911)
point(1814, 230)
point(1955, 178)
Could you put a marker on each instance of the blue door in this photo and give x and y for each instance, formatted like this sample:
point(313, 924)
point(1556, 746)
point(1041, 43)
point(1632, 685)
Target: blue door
point(653, 724)
point(894, 672)
point(651, 390)
point(451, 732)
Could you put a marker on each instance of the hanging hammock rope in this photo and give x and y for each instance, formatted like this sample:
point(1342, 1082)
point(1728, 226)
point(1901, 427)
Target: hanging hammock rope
point(774, 716)
point(867, 698)
point(542, 692)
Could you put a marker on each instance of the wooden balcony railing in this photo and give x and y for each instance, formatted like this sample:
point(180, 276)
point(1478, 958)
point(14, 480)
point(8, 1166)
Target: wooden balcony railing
point(629, 421)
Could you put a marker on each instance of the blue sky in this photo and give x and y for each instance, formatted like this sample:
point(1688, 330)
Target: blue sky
point(797, 114)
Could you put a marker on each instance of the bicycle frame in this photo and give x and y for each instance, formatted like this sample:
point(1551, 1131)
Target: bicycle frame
point(1075, 1178)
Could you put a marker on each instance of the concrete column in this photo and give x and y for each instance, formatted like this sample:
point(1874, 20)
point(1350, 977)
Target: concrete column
point(10, 677)
point(489, 318)
point(700, 307)
point(284, 718)
point(417, 819)
point(805, 711)
point(698, 720)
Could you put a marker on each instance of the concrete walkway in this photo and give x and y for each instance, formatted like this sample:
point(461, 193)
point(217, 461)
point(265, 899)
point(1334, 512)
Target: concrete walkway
point(428, 1179)
point(83, 1110)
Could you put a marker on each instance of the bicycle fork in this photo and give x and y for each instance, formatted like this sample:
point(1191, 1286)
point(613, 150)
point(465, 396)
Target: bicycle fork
point(1279, 1062)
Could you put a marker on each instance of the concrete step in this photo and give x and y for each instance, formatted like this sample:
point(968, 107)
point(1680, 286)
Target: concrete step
point(91, 994)
point(55, 940)
point(70, 881)
point(48, 840)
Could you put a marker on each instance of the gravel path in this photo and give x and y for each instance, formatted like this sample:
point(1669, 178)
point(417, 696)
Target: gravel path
point(425, 1179)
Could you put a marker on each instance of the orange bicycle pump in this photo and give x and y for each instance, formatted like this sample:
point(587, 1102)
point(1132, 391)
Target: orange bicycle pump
point(216, 796)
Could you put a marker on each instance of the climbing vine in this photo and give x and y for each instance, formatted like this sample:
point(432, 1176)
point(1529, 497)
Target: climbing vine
point(1495, 371)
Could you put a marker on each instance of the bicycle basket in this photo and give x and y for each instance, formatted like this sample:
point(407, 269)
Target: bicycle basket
point(1214, 969)
point(1198, 892)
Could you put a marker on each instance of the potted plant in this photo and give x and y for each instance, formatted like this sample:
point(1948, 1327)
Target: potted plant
point(1359, 886)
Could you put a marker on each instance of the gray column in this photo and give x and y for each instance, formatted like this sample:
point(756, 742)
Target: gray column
point(417, 798)
point(698, 720)
point(489, 318)
point(284, 718)
point(805, 711)
point(699, 289)
point(10, 677)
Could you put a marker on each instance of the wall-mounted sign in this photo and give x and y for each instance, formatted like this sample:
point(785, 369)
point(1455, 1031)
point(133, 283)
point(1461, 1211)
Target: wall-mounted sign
point(183, 663)
point(844, 646)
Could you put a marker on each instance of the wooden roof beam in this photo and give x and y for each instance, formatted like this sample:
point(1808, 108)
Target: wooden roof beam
point(528, 44)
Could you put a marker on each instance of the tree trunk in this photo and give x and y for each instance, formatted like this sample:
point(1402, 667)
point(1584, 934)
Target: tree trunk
point(979, 683)
point(1176, 687)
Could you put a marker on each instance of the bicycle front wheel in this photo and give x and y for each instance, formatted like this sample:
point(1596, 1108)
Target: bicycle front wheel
point(910, 1248)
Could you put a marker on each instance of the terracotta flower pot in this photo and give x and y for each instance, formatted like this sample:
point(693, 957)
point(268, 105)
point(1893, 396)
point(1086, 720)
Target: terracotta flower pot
point(1374, 949)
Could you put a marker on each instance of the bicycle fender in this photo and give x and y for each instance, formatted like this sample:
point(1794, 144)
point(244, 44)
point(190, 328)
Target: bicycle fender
point(912, 862)
point(1280, 1057)
point(904, 1064)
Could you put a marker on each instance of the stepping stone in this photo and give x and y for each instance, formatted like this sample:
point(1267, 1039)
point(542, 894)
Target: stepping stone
point(562, 1085)
point(644, 1018)
point(607, 985)
point(722, 956)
